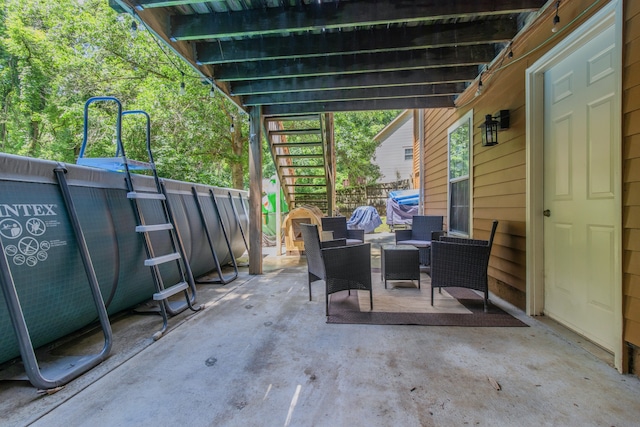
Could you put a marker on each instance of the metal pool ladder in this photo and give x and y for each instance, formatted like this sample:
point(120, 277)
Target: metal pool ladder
point(149, 197)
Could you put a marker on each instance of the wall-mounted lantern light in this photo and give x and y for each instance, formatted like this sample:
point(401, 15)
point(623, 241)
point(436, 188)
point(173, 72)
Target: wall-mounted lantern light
point(492, 124)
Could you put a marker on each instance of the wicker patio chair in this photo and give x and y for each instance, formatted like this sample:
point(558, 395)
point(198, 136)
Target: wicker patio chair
point(341, 267)
point(338, 224)
point(459, 262)
point(419, 235)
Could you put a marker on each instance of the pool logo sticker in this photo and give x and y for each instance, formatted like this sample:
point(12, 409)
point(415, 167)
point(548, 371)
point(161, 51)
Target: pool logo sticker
point(24, 246)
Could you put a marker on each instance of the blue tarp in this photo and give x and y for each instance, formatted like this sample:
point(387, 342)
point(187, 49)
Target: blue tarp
point(364, 218)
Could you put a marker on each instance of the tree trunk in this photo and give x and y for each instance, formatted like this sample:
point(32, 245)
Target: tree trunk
point(35, 135)
point(237, 171)
point(3, 126)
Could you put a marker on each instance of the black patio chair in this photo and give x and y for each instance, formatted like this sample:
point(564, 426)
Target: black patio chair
point(338, 224)
point(463, 263)
point(342, 267)
point(419, 235)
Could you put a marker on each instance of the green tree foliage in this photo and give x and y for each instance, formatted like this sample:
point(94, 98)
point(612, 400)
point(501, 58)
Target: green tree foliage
point(54, 55)
point(355, 147)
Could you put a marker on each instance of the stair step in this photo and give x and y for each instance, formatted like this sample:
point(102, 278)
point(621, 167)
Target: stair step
point(303, 176)
point(137, 195)
point(161, 259)
point(296, 144)
point(155, 227)
point(310, 131)
point(301, 166)
point(294, 118)
point(300, 156)
point(168, 292)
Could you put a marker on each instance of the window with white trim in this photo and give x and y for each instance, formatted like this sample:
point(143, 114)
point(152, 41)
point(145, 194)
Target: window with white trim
point(459, 195)
point(408, 153)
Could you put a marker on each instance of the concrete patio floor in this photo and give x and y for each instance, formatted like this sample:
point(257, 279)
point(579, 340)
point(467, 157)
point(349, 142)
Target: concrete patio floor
point(261, 354)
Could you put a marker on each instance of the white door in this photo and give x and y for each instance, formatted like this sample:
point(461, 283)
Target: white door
point(581, 167)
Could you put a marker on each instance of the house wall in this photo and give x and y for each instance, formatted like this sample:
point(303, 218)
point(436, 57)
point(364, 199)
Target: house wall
point(434, 182)
point(415, 177)
point(631, 174)
point(390, 153)
point(499, 172)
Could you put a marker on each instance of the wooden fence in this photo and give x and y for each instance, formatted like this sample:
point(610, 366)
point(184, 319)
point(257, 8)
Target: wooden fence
point(348, 199)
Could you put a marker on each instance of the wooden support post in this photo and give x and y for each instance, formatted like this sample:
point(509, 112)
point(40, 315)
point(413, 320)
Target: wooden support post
point(331, 165)
point(255, 191)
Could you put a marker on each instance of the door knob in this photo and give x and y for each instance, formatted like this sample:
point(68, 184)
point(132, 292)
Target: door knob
point(546, 212)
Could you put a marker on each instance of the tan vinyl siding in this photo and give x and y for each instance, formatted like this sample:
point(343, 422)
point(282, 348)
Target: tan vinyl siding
point(631, 172)
point(499, 172)
point(415, 177)
point(435, 179)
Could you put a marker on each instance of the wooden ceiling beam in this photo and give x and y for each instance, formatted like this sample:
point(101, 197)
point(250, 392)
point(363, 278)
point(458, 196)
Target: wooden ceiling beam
point(327, 15)
point(352, 81)
point(355, 94)
point(369, 105)
point(360, 41)
point(148, 4)
point(358, 63)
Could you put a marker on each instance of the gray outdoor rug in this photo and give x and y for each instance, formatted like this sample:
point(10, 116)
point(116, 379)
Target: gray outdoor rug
point(345, 309)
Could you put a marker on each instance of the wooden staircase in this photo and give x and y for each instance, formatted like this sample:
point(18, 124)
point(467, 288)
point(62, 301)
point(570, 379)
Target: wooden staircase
point(303, 150)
